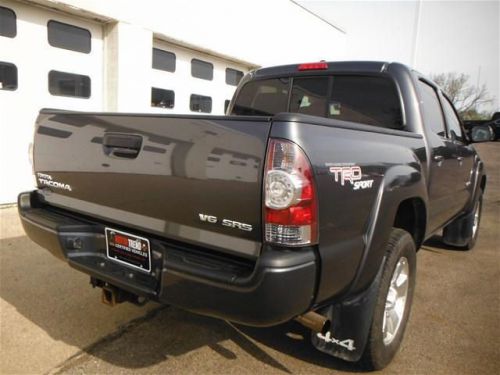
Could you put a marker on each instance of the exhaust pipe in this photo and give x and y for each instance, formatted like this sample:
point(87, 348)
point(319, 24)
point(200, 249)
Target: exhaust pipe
point(314, 321)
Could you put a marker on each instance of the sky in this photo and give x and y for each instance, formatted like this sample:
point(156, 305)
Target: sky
point(431, 36)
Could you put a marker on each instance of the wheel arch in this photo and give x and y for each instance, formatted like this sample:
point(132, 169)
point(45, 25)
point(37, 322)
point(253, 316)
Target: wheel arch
point(411, 216)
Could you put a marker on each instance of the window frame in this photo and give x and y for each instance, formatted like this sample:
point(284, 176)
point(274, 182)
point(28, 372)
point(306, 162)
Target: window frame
point(166, 52)
point(436, 91)
point(52, 21)
point(461, 137)
point(236, 71)
point(17, 75)
point(69, 96)
point(204, 62)
point(201, 96)
point(15, 22)
point(162, 89)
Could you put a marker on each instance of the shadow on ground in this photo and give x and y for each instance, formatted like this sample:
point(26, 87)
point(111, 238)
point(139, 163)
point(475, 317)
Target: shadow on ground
point(436, 242)
point(59, 300)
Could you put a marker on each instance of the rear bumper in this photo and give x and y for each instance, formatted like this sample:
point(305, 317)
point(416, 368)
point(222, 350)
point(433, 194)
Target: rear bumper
point(276, 288)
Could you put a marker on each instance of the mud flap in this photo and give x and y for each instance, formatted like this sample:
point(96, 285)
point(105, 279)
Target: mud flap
point(351, 320)
point(458, 232)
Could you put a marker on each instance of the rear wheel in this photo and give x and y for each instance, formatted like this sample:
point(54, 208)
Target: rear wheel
point(394, 299)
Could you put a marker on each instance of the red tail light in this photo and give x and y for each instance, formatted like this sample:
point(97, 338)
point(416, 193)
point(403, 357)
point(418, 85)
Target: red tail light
point(313, 66)
point(289, 196)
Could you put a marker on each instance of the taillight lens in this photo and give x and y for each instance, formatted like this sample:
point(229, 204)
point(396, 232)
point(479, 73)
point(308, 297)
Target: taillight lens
point(289, 196)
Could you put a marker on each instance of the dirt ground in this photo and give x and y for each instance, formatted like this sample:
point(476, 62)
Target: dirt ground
point(52, 321)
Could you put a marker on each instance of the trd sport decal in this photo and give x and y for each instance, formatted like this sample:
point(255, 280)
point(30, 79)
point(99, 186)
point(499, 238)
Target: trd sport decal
point(349, 174)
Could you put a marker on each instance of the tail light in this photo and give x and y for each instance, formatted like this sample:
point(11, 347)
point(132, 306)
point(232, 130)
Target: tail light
point(289, 196)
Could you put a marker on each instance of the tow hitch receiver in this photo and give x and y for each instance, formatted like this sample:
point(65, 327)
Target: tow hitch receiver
point(112, 295)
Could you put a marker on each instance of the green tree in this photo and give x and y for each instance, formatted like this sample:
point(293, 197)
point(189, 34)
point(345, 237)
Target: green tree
point(466, 97)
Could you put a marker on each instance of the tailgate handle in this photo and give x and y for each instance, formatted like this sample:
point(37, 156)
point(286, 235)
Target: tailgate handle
point(122, 145)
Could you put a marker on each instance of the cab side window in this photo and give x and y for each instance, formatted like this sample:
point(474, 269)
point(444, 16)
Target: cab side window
point(452, 120)
point(433, 116)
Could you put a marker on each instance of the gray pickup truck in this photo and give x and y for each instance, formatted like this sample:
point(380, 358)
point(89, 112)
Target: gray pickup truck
point(308, 201)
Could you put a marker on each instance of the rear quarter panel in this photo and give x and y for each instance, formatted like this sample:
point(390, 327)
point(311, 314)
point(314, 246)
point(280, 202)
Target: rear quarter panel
point(354, 224)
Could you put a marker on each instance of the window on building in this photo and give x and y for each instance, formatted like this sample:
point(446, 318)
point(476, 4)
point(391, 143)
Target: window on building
point(226, 104)
point(69, 84)
point(162, 98)
point(73, 38)
point(452, 120)
point(163, 60)
point(433, 115)
point(233, 76)
point(200, 103)
point(8, 76)
point(8, 26)
point(202, 69)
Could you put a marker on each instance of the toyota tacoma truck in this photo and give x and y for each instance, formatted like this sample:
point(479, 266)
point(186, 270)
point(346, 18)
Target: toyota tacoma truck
point(307, 201)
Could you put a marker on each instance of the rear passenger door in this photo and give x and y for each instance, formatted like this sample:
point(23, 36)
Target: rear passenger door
point(464, 153)
point(443, 159)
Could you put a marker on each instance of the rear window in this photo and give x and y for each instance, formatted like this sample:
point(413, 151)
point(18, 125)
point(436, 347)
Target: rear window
point(263, 98)
point(361, 99)
point(310, 96)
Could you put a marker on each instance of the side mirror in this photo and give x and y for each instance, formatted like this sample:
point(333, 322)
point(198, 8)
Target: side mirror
point(482, 133)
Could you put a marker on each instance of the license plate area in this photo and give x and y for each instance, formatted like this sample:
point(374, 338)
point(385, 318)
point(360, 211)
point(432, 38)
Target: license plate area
point(128, 249)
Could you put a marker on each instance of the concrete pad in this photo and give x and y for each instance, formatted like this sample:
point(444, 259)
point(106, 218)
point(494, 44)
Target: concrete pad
point(48, 311)
point(453, 329)
point(10, 224)
point(52, 321)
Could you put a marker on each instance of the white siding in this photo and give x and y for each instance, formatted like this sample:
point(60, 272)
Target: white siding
point(183, 84)
point(229, 34)
point(34, 58)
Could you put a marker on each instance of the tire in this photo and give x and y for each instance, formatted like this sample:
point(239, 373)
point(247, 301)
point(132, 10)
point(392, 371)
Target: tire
point(392, 300)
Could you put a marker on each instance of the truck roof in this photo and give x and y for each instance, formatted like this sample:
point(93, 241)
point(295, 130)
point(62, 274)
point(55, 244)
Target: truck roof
point(328, 67)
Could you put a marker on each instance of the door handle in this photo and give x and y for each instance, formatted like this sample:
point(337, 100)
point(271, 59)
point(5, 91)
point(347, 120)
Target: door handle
point(120, 145)
point(438, 158)
point(460, 159)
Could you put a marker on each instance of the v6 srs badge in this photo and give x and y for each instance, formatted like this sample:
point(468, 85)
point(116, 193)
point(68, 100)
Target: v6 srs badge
point(348, 174)
point(225, 222)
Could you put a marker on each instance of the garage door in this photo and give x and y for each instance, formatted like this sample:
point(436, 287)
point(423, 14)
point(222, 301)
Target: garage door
point(47, 60)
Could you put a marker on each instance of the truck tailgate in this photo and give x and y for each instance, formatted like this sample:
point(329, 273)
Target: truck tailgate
point(195, 179)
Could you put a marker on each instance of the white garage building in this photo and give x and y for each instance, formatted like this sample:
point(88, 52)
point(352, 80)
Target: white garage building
point(129, 56)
